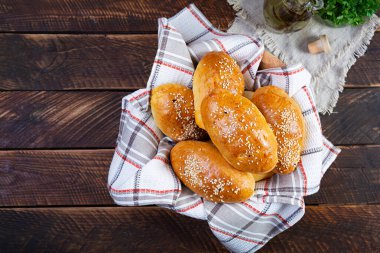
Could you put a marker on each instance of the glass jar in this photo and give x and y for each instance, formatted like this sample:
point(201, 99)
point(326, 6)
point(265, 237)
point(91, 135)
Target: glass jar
point(285, 16)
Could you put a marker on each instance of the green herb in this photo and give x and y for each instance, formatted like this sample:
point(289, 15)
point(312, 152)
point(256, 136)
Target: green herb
point(352, 12)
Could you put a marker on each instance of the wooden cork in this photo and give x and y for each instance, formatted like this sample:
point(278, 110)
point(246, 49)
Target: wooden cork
point(320, 45)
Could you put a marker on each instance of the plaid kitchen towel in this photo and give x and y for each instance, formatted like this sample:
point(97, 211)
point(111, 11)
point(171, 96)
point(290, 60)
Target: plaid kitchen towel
point(141, 174)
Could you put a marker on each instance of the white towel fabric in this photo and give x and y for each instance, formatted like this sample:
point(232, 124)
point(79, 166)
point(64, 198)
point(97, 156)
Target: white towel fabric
point(141, 174)
point(328, 70)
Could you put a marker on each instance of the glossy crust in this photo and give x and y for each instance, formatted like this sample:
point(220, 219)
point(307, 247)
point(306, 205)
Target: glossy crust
point(201, 167)
point(215, 70)
point(285, 117)
point(239, 131)
point(259, 177)
point(173, 111)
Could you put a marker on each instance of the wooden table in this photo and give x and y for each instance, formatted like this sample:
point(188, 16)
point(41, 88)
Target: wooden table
point(65, 66)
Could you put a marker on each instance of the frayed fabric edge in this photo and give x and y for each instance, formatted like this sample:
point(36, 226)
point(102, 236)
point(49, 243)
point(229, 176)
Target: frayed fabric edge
point(360, 50)
point(236, 5)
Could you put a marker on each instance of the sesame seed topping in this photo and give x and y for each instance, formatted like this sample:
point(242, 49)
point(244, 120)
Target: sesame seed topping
point(289, 148)
point(212, 185)
point(184, 115)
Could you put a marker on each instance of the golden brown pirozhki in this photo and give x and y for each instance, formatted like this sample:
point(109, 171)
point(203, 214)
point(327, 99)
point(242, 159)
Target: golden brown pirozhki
point(239, 131)
point(259, 177)
point(285, 117)
point(173, 111)
point(215, 70)
point(201, 167)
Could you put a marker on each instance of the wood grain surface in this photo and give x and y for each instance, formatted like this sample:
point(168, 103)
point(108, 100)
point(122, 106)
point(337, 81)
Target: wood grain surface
point(61, 62)
point(109, 229)
point(331, 229)
point(78, 177)
point(152, 229)
point(99, 16)
point(68, 119)
point(54, 177)
point(59, 119)
point(355, 119)
point(352, 179)
point(75, 62)
point(366, 70)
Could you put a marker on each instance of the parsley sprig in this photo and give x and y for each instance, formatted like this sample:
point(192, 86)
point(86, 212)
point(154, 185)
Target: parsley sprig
point(351, 12)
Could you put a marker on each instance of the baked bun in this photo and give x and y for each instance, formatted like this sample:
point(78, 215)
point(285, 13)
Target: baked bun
point(202, 168)
point(239, 131)
point(285, 117)
point(215, 70)
point(259, 177)
point(173, 111)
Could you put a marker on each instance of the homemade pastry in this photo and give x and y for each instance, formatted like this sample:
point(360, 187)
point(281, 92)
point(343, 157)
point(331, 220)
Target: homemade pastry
point(259, 177)
point(285, 117)
point(215, 70)
point(173, 111)
point(201, 167)
point(239, 131)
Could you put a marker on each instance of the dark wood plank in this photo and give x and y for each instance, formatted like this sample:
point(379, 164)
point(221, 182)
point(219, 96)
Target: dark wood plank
point(355, 119)
point(331, 229)
point(59, 119)
point(352, 179)
point(78, 177)
point(99, 16)
point(54, 177)
point(62, 62)
point(151, 229)
point(74, 62)
point(109, 229)
point(31, 119)
point(366, 69)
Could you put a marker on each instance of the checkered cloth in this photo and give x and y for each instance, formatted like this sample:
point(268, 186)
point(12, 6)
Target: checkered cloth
point(141, 174)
